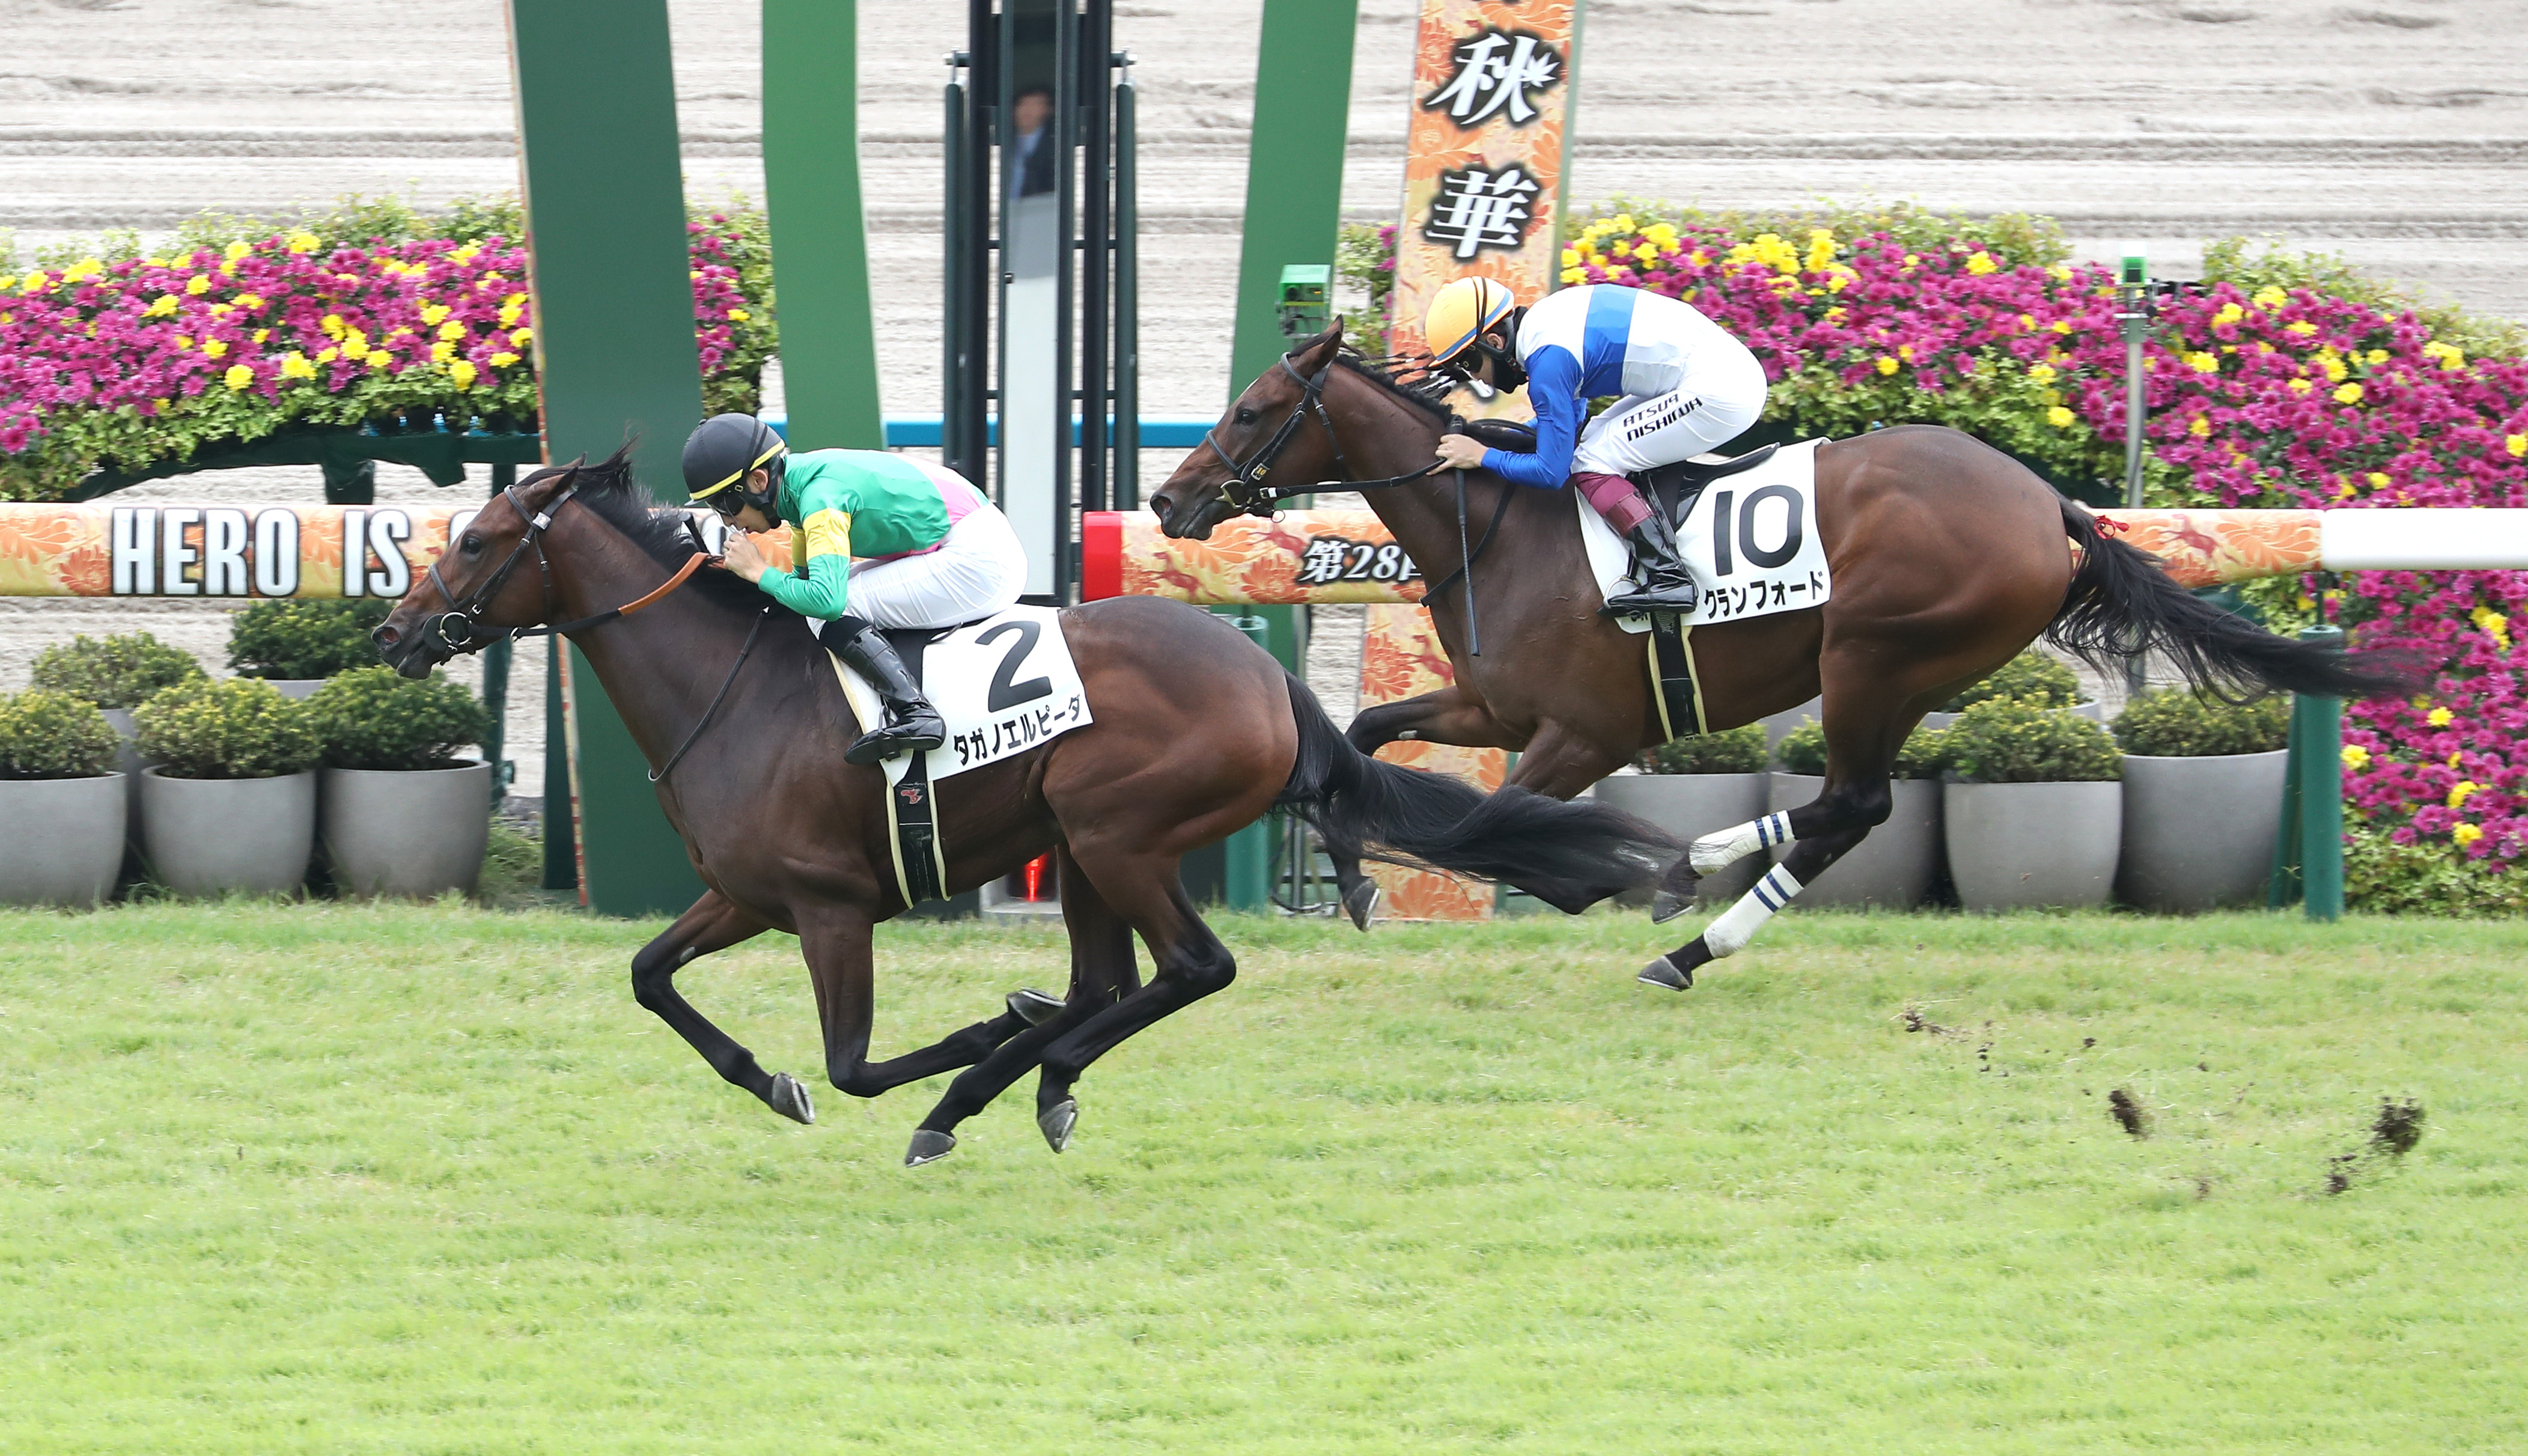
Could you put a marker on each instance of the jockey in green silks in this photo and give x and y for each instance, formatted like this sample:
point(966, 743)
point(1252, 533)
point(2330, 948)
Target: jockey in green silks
point(880, 541)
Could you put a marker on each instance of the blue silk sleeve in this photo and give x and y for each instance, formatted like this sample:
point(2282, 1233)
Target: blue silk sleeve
point(1553, 392)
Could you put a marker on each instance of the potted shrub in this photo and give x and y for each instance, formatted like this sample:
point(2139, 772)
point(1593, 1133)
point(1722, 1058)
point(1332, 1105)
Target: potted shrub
point(2203, 793)
point(297, 645)
point(118, 674)
point(1695, 786)
point(62, 801)
point(231, 803)
point(2035, 814)
point(2033, 675)
point(1896, 863)
point(404, 815)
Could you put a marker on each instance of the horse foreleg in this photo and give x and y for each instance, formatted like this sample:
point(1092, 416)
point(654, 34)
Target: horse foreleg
point(1102, 970)
point(712, 924)
point(841, 964)
point(1448, 715)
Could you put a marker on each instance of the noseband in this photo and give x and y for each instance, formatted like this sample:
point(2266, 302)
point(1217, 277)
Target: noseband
point(1245, 488)
point(457, 630)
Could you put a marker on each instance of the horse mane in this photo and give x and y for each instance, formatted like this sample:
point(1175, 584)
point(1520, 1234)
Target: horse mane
point(1428, 393)
point(608, 488)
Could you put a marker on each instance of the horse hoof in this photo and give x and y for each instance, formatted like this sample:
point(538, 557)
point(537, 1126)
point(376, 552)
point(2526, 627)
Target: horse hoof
point(790, 1099)
point(1665, 972)
point(928, 1147)
point(1033, 1006)
point(1057, 1121)
point(1668, 904)
point(1360, 901)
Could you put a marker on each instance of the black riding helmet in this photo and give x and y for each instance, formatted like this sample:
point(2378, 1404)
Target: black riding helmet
point(719, 455)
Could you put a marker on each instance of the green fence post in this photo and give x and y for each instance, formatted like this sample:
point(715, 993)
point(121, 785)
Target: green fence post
point(812, 178)
point(614, 347)
point(2318, 727)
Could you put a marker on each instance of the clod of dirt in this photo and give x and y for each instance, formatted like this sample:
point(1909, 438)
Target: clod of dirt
point(2398, 1126)
point(2339, 1174)
point(2087, 1042)
point(1915, 1021)
point(2202, 1188)
point(2130, 1114)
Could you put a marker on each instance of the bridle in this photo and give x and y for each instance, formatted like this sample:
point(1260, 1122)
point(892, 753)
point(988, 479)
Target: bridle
point(457, 630)
point(1245, 488)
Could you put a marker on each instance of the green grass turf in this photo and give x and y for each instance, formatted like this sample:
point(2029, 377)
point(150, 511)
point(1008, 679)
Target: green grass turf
point(424, 1179)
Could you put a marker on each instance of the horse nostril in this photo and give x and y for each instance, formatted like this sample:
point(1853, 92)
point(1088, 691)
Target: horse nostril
point(386, 636)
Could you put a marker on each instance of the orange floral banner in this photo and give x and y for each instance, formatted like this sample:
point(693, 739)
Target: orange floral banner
point(1348, 556)
point(1483, 157)
point(102, 550)
point(1400, 658)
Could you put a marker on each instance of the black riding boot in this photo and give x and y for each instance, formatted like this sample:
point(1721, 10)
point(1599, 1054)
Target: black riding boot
point(1660, 580)
point(911, 724)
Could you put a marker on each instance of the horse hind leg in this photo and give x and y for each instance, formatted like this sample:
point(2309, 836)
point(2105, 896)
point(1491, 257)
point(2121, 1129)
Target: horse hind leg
point(1445, 715)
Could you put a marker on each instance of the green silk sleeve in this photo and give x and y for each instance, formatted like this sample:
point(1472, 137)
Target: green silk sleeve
point(822, 593)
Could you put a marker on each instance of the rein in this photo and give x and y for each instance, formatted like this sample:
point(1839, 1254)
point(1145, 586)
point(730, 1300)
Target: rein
point(457, 630)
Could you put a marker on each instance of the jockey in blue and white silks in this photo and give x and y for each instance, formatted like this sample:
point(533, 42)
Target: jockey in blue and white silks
point(1683, 386)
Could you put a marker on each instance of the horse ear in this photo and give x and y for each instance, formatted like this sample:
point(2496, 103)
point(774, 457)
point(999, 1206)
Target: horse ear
point(1320, 350)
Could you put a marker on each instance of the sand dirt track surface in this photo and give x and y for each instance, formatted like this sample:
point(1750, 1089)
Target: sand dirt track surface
point(2395, 133)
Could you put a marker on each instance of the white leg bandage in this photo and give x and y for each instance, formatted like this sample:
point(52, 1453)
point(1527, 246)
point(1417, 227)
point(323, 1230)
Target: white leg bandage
point(1728, 847)
point(1738, 924)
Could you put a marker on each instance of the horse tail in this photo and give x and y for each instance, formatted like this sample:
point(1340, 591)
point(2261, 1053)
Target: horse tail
point(2122, 604)
point(1570, 855)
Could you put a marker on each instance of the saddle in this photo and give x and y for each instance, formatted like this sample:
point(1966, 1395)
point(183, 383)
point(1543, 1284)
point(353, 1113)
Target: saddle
point(1674, 486)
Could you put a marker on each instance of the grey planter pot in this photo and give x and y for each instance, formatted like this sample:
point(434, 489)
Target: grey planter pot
point(296, 689)
point(214, 836)
point(1894, 866)
point(2199, 832)
point(2021, 846)
point(73, 858)
point(129, 764)
point(418, 833)
point(1690, 806)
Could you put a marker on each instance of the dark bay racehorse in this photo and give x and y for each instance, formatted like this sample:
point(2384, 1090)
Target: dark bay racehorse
point(1947, 558)
point(1196, 733)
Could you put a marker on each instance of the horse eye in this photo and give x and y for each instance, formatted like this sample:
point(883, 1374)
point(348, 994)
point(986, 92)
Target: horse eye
point(473, 544)
point(1245, 416)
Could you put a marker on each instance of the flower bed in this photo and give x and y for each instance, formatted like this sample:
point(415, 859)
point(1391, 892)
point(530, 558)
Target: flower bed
point(2284, 382)
point(369, 313)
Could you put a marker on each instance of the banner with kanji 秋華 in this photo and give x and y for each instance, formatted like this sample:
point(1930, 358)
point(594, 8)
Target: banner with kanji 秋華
point(1484, 153)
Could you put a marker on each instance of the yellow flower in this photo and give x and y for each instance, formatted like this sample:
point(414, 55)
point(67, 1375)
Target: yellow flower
point(1570, 275)
point(198, 285)
point(2377, 356)
point(2378, 479)
point(2201, 425)
point(451, 330)
point(238, 376)
point(1820, 247)
point(2043, 374)
point(521, 336)
point(2203, 363)
point(2437, 717)
point(504, 359)
point(380, 358)
point(442, 351)
point(184, 340)
point(433, 313)
point(354, 342)
point(238, 250)
point(249, 300)
point(332, 326)
point(2270, 296)
point(2229, 313)
point(329, 356)
point(2059, 417)
point(2349, 395)
point(260, 335)
point(1905, 352)
point(2450, 354)
point(739, 315)
point(1887, 365)
point(2493, 624)
point(2460, 791)
point(2062, 325)
point(464, 255)
point(463, 373)
point(2059, 272)
point(294, 365)
point(159, 307)
point(2516, 444)
point(2355, 756)
point(303, 243)
point(2303, 328)
point(215, 348)
point(2300, 386)
point(2466, 834)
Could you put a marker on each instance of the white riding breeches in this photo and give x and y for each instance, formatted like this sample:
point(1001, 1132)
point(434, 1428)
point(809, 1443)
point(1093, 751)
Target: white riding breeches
point(1722, 395)
point(979, 570)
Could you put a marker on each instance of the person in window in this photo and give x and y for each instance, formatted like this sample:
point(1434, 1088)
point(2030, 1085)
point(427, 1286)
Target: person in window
point(1031, 120)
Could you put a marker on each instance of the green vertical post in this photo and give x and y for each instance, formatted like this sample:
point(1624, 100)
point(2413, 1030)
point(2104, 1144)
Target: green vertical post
point(614, 346)
point(812, 176)
point(1295, 168)
point(2308, 850)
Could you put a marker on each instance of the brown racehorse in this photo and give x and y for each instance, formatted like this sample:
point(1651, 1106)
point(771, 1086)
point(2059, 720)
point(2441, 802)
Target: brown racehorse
point(1196, 733)
point(1947, 558)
